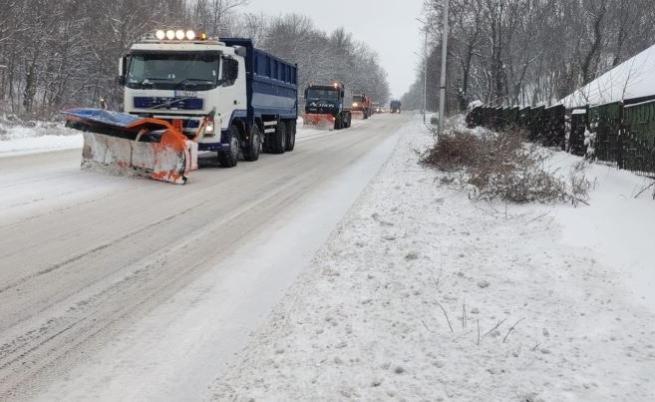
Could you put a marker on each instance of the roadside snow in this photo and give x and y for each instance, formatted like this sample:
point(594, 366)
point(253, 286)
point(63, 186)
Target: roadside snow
point(619, 225)
point(41, 137)
point(422, 294)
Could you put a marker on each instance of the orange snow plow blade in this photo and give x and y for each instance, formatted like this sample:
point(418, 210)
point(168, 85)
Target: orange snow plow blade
point(128, 145)
point(357, 115)
point(320, 121)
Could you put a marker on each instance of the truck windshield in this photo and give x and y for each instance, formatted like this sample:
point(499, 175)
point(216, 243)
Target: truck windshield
point(185, 71)
point(358, 98)
point(322, 94)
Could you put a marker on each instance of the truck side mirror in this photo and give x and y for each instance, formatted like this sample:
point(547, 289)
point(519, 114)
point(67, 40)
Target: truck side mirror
point(230, 71)
point(121, 71)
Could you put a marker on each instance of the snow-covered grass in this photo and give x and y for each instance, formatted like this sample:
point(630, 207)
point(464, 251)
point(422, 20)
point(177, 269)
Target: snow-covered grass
point(503, 166)
point(36, 137)
point(423, 294)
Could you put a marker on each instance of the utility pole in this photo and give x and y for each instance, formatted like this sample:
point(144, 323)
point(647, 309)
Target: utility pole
point(444, 65)
point(425, 69)
point(425, 77)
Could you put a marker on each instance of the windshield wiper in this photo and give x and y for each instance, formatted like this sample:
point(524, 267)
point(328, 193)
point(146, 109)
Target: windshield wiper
point(150, 81)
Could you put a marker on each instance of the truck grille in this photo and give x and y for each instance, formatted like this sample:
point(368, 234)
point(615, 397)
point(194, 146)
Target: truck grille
point(164, 103)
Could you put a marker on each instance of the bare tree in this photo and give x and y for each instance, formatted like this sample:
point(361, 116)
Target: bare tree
point(520, 52)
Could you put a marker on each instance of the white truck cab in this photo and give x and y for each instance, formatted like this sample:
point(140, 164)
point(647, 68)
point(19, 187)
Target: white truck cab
point(185, 79)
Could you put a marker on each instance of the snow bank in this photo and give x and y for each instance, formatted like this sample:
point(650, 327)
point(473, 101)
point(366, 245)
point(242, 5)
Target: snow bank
point(422, 294)
point(40, 137)
point(619, 225)
point(630, 80)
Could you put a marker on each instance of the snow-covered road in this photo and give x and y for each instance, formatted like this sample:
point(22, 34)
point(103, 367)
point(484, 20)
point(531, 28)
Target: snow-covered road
point(127, 289)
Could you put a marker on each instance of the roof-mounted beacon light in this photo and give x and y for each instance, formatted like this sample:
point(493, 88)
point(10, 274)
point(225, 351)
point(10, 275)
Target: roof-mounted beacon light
point(160, 35)
point(180, 34)
point(170, 34)
point(190, 35)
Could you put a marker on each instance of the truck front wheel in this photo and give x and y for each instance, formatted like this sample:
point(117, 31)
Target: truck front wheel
point(228, 158)
point(338, 122)
point(253, 144)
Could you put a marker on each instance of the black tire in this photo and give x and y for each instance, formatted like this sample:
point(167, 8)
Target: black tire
point(230, 158)
point(266, 146)
point(338, 123)
point(349, 120)
point(253, 144)
point(291, 136)
point(279, 139)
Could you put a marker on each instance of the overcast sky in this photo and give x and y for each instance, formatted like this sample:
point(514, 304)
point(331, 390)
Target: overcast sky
point(388, 26)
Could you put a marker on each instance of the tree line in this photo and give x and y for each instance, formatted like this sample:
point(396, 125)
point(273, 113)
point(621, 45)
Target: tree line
point(528, 52)
point(60, 54)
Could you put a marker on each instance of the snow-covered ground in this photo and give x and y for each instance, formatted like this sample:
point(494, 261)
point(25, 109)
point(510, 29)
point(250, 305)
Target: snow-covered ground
point(39, 137)
point(423, 294)
point(619, 226)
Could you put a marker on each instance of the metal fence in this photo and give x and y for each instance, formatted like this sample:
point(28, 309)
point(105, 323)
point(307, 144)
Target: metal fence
point(545, 126)
point(622, 135)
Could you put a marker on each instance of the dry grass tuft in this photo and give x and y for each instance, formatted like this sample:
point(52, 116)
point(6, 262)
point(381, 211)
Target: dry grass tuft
point(503, 166)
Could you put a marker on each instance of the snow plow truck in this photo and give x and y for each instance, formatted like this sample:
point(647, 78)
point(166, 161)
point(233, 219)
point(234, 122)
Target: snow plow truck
point(328, 106)
point(185, 92)
point(362, 106)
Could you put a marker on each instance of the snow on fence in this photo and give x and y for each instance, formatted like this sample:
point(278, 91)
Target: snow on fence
point(616, 133)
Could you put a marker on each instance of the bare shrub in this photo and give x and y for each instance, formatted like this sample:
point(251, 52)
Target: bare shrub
point(453, 152)
point(503, 166)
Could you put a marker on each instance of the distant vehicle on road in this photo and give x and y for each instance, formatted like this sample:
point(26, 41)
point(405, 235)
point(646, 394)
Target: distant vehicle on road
point(362, 106)
point(396, 106)
point(328, 106)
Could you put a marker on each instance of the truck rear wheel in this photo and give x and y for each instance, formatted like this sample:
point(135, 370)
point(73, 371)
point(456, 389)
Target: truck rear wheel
point(230, 158)
point(279, 139)
point(291, 135)
point(253, 144)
